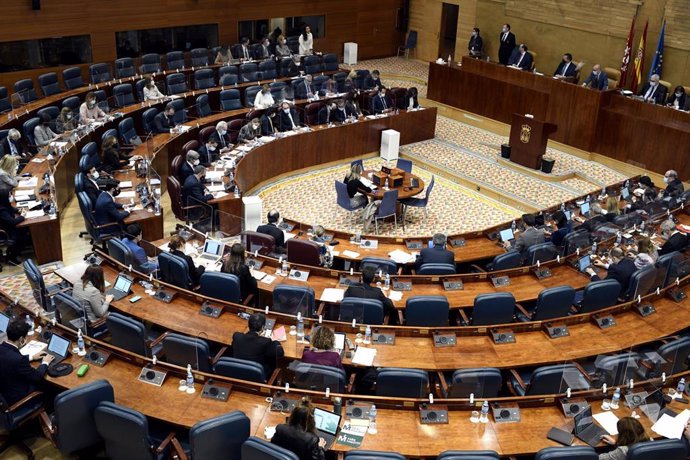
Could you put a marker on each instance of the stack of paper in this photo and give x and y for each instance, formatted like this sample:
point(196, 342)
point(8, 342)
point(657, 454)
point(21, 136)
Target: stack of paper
point(364, 356)
point(332, 295)
point(401, 257)
point(28, 182)
point(395, 295)
point(216, 188)
point(258, 274)
point(33, 348)
point(125, 184)
point(671, 427)
point(214, 176)
point(127, 194)
point(33, 214)
point(350, 254)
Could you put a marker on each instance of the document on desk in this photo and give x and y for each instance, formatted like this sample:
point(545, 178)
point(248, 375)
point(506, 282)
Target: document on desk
point(608, 421)
point(34, 214)
point(401, 257)
point(671, 427)
point(33, 348)
point(127, 194)
point(366, 182)
point(28, 182)
point(350, 254)
point(332, 295)
point(268, 279)
point(257, 274)
point(288, 235)
point(214, 176)
point(351, 434)
point(364, 356)
point(126, 184)
point(218, 195)
point(266, 139)
point(395, 295)
point(38, 160)
point(216, 188)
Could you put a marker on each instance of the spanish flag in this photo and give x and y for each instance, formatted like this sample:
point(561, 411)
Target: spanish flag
point(638, 65)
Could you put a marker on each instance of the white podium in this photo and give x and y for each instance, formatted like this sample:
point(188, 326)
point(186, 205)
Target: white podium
point(390, 144)
point(253, 208)
point(350, 53)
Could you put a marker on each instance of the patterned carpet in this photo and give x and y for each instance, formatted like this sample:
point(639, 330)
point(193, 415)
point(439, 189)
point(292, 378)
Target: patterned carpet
point(394, 66)
point(16, 285)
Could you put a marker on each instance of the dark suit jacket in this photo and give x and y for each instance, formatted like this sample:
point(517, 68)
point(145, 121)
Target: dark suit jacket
point(91, 190)
point(111, 161)
point(284, 121)
point(372, 83)
point(435, 255)
point(525, 61)
point(674, 188)
point(676, 242)
point(571, 71)
point(600, 82)
point(506, 47)
point(185, 171)
point(324, 116)
point(7, 150)
point(9, 218)
point(621, 272)
point(247, 281)
point(267, 125)
point(659, 95)
point(681, 100)
point(339, 116)
point(275, 232)
point(304, 444)
point(194, 271)
point(475, 46)
point(162, 123)
point(193, 192)
point(223, 141)
point(252, 347)
point(527, 239)
point(366, 291)
point(206, 157)
point(262, 53)
point(107, 212)
point(378, 104)
point(17, 377)
point(301, 89)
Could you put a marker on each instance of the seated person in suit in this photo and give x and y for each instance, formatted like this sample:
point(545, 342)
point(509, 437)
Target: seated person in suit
point(263, 51)
point(234, 264)
point(438, 254)
point(268, 121)
point(91, 186)
point(43, 133)
point(620, 268)
point(352, 106)
point(187, 167)
point(208, 153)
point(340, 113)
point(271, 228)
point(597, 79)
point(111, 160)
point(299, 436)
point(381, 102)
point(674, 186)
point(253, 346)
point(675, 240)
point(321, 351)
point(287, 118)
point(355, 188)
point(653, 91)
point(264, 98)
point(194, 192)
point(250, 131)
point(221, 136)
point(10, 217)
point(527, 238)
point(373, 81)
point(89, 289)
point(677, 98)
point(326, 113)
point(411, 98)
point(365, 290)
point(165, 120)
point(521, 58)
point(567, 68)
point(131, 240)
point(562, 228)
point(18, 378)
point(305, 89)
point(107, 211)
point(176, 246)
point(243, 50)
point(12, 145)
point(89, 111)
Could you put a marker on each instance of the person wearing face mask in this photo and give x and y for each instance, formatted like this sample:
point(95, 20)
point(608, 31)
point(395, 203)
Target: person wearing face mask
point(208, 153)
point(674, 186)
point(507, 44)
point(8, 173)
point(18, 378)
point(110, 156)
point(43, 134)
point(194, 193)
point(187, 168)
point(326, 113)
point(677, 98)
point(165, 120)
point(151, 91)
point(382, 103)
point(221, 137)
point(287, 118)
point(653, 91)
point(109, 214)
point(597, 79)
point(12, 145)
point(268, 120)
point(263, 51)
point(373, 81)
point(521, 59)
point(264, 99)
point(476, 44)
point(282, 50)
point(675, 240)
point(306, 42)
point(339, 113)
point(304, 89)
point(131, 240)
point(91, 187)
point(10, 217)
point(65, 123)
point(250, 131)
point(89, 111)
point(567, 68)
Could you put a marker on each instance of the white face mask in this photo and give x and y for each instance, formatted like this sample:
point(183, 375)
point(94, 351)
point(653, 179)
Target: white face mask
point(91, 104)
point(69, 116)
point(679, 94)
point(667, 180)
point(95, 175)
point(286, 110)
point(11, 199)
point(255, 126)
point(504, 30)
point(653, 83)
point(211, 148)
point(195, 162)
point(222, 132)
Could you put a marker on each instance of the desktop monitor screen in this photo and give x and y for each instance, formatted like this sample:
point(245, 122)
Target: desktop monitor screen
point(4, 321)
point(567, 215)
point(625, 193)
point(584, 262)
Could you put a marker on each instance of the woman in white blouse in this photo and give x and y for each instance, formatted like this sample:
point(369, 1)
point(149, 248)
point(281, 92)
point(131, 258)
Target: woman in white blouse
point(306, 42)
point(151, 91)
point(263, 99)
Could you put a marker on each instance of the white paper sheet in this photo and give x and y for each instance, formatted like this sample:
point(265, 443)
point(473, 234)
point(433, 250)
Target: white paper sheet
point(350, 254)
point(127, 194)
point(216, 188)
point(332, 295)
point(126, 184)
point(608, 421)
point(395, 295)
point(401, 257)
point(33, 214)
point(364, 356)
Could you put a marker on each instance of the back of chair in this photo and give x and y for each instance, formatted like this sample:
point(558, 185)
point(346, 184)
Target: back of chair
point(120, 252)
point(618, 369)
point(240, 369)
point(49, 84)
point(510, 259)
point(175, 60)
point(552, 379)
point(675, 353)
point(174, 270)
point(258, 449)
point(203, 108)
point(199, 57)
point(176, 82)
point(553, 303)
point(175, 192)
point(291, 299)
point(124, 430)
point(124, 67)
point(28, 129)
point(575, 240)
point(268, 70)
point(250, 95)
point(72, 78)
point(569, 452)
point(4, 100)
point(666, 449)
point(147, 119)
point(641, 282)
point(303, 252)
point(127, 333)
point(316, 377)
point(427, 310)
point(25, 90)
point(396, 382)
point(483, 383)
point(180, 111)
point(542, 252)
point(467, 454)
point(71, 312)
point(220, 437)
point(436, 269)
point(182, 350)
point(203, 79)
point(100, 72)
point(124, 95)
point(255, 241)
point(388, 203)
point(365, 311)
point(405, 165)
point(343, 199)
point(385, 265)
point(494, 308)
point(222, 286)
point(311, 113)
point(600, 294)
point(312, 64)
point(73, 102)
point(330, 62)
point(205, 134)
point(372, 455)
point(249, 71)
point(150, 63)
point(74, 415)
point(230, 99)
point(38, 287)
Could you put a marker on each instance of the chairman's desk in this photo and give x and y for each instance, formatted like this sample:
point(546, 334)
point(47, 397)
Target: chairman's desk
point(603, 122)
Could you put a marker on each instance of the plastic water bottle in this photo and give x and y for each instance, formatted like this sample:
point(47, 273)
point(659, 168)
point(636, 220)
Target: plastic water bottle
point(484, 417)
point(284, 267)
point(80, 343)
point(681, 386)
point(642, 226)
point(619, 238)
point(372, 420)
point(300, 325)
point(367, 335)
point(237, 192)
point(513, 225)
point(157, 207)
point(53, 209)
point(387, 282)
point(594, 248)
point(616, 398)
point(190, 378)
point(30, 322)
point(562, 207)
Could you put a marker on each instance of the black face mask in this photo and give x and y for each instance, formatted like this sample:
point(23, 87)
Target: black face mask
point(116, 191)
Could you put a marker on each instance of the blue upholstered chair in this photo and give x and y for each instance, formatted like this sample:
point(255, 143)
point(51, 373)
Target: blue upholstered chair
point(552, 303)
point(546, 380)
point(100, 72)
point(174, 270)
point(222, 286)
point(182, 350)
point(241, 369)
point(364, 311)
point(49, 84)
point(219, 437)
point(124, 67)
point(493, 308)
point(72, 78)
point(203, 79)
point(258, 449)
point(427, 310)
point(131, 335)
point(397, 382)
point(291, 299)
point(230, 100)
point(483, 382)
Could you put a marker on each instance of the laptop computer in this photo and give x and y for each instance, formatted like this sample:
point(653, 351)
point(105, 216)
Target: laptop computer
point(122, 286)
point(584, 263)
point(584, 209)
point(213, 251)
point(58, 348)
point(327, 425)
point(339, 345)
point(625, 193)
point(585, 428)
point(4, 322)
point(567, 215)
point(506, 235)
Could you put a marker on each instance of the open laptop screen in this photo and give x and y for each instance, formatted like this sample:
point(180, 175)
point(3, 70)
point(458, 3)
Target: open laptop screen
point(213, 247)
point(584, 208)
point(583, 419)
point(585, 262)
point(326, 421)
point(506, 235)
point(58, 346)
point(4, 321)
point(339, 341)
point(123, 283)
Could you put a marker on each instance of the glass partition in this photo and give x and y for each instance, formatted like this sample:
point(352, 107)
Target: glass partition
point(45, 52)
point(133, 43)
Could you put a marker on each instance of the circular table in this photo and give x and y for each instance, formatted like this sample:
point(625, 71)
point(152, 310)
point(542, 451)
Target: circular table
point(406, 190)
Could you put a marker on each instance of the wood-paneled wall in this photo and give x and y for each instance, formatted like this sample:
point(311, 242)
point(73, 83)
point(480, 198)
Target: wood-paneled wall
point(371, 24)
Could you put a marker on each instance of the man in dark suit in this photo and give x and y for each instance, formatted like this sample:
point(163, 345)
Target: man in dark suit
point(653, 91)
point(365, 290)
point(107, 211)
point(566, 69)
point(208, 153)
point(252, 346)
point(12, 145)
point(381, 103)
point(528, 238)
point(597, 79)
point(675, 240)
point(194, 192)
point(674, 186)
point(263, 51)
point(438, 254)
point(221, 136)
point(187, 167)
point(272, 229)
point(90, 185)
point(620, 269)
point(373, 81)
point(287, 118)
point(325, 114)
point(304, 89)
point(521, 59)
point(476, 44)
point(18, 378)
point(165, 120)
point(268, 121)
point(507, 44)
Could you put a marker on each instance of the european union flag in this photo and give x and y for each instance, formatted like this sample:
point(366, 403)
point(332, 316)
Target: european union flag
point(659, 55)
